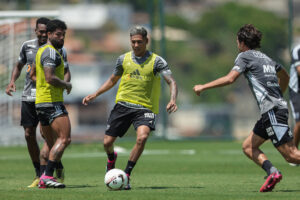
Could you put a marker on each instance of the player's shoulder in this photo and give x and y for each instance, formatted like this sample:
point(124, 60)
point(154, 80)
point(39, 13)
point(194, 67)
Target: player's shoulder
point(48, 51)
point(296, 51)
point(30, 44)
point(158, 58)
point(122, 56)
point(63, 50)
point(241, 55)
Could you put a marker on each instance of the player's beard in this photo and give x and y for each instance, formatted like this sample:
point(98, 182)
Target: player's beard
point(57, 44)
point(42, 40)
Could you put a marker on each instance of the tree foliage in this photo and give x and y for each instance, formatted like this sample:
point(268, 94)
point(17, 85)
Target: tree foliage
point(211, 50)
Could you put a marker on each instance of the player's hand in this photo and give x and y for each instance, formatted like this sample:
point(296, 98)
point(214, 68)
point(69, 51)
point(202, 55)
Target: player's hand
point(88, 98)
point(68, 87)
point(198, 89)
point(171, 107)
point(11, 87)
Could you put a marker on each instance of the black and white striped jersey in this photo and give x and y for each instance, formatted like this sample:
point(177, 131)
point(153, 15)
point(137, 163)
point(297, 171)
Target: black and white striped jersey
point(294, 76)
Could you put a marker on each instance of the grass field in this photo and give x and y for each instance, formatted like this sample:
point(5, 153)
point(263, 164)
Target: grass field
point(166, 171)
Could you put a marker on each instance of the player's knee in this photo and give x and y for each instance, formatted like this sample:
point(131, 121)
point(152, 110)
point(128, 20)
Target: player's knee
point(289, 158)
point(29, 135)
point(107, 143)
point(246, 148)
point(292, 157)
point(141, 140)
point(66, 141)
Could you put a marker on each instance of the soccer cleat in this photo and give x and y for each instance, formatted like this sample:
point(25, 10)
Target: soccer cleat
point(271, 181)
point(35, 182)
point(111, 163)
point(294, 164)
point(60, 175)
point(128, 187)
point(49, 182)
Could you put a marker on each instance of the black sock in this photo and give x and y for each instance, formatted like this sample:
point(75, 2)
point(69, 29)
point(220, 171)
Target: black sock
point(37, 168)
point(50, 168)
point(267, 165)
point(42, 169)
point(59, 165)
point(129, 167)
point(111, 156)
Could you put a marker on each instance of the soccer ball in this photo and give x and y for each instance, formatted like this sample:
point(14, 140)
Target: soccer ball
point(115, 179)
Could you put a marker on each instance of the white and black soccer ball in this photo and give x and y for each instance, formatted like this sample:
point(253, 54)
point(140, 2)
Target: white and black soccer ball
point(116, 179)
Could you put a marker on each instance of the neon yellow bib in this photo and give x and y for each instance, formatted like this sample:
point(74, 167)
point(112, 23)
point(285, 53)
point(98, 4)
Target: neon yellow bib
point(138, 84)
point(46, 93)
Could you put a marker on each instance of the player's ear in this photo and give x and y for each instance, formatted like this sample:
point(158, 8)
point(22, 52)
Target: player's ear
point(147, 40)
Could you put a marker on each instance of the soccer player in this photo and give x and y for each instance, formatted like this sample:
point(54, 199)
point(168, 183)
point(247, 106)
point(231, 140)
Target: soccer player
point(52, 114)
point(29, 118)
point(262, 74)
point(137, 99)
point(294, 92)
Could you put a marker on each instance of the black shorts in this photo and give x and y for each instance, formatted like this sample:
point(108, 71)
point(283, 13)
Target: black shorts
point(273, 125)
point(295, 105)
point(28, 114)
point(46, 115)
point(121, 117)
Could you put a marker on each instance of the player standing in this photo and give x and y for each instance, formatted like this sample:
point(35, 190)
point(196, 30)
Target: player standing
point(49, 99)
point(294, 92)
point(29, 119)
point(262, 74)
point(137, 100)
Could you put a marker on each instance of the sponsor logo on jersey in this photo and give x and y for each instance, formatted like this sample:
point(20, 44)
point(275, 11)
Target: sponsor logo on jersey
point(136, 75)
point(269, 69)
point(270, 84)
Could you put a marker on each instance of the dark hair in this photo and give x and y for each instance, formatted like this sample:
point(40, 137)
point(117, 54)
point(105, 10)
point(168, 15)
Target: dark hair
point(250, 35)
point(138, 30)
point(42, 20)
point(56, 24)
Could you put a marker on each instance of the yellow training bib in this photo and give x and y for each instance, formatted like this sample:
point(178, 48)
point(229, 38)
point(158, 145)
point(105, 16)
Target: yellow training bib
point(46, 93)
point(138, 83)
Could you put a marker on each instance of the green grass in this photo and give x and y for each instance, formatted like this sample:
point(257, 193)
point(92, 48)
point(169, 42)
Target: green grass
point(216, 170)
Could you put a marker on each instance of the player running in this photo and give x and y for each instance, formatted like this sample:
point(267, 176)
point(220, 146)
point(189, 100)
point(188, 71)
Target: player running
point(294, 92)
point(29, 119)
point(51, 112)
point(137, 100)
point(262, 74)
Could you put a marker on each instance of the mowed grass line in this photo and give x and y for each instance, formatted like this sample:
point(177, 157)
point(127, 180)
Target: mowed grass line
point(217, 170)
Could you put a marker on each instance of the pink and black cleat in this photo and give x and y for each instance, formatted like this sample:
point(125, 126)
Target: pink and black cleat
point(127, 187)
point(271, 181)
point(111, 163)
point(49, 182)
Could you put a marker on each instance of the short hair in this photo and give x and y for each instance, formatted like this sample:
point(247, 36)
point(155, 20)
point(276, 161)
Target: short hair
point(42, 20)
point(250, 35)
point(55, 24)
point(138, 30)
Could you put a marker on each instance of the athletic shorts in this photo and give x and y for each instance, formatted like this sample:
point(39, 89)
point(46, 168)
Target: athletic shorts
point(295, 105)
point(28, 114)
point(121, 117)
point(46, 115)
point(273, 125)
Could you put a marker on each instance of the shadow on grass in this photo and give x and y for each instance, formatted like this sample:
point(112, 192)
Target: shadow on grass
point(287, 191)
point(80, 186)
point(165, 188)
